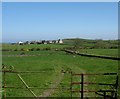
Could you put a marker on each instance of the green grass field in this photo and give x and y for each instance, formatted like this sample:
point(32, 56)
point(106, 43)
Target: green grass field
point(106, 52)
point(52, 62)
point(41, 46)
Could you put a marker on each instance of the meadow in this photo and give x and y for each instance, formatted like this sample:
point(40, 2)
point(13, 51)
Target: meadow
point(105, 52)
point(52, 62)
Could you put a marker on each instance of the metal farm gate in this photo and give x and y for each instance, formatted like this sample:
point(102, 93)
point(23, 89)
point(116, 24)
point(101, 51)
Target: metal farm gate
point(10, 70)
point(109, 92)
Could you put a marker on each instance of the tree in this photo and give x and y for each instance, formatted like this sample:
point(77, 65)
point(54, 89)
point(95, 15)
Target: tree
point(99, 44)
point(77, 43)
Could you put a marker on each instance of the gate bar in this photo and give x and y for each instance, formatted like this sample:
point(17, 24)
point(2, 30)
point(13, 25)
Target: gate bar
point(26, 85)
point(95, 74)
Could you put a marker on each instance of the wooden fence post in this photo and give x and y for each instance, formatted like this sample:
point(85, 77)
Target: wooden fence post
point(4, 85)
point(82, 80)
point(71, 85)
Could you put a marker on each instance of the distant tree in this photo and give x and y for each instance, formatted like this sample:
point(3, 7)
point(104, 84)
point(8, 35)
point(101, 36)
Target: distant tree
point(99, 44)
point(77, 44)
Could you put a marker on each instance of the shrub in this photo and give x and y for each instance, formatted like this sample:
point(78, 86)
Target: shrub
point(37, 49)
point(15, 50)
point(32, 49)
point(47, 48)
point(6, 49)
point(22, 53)
point(22, 49)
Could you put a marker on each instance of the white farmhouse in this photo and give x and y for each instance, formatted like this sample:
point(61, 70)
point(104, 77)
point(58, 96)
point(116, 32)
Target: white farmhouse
point(50, 42)
point(60, 41)
point(56, 41)
point(20, 43)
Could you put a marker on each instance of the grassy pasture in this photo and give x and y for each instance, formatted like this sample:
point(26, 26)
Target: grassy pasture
point(41, 46)
point(106, 52)
point(52, 62)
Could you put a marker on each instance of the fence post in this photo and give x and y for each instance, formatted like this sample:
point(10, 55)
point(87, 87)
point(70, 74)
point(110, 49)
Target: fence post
point(71, 85)
point(4, 85)
point(104, 95)
point(82, 80)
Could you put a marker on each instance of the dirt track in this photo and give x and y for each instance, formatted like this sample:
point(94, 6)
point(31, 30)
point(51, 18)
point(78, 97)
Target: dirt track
point(49, 92)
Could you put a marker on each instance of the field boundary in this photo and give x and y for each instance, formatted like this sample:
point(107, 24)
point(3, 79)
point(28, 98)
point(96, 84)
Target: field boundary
point(51, 90)
point(92, 55)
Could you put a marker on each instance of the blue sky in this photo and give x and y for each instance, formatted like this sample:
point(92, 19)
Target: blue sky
point(38, 21)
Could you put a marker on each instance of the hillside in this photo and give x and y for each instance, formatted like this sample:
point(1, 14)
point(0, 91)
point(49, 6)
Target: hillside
point(88, 43)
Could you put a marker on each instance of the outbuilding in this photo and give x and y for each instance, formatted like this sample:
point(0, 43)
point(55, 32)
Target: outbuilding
point(20, 43)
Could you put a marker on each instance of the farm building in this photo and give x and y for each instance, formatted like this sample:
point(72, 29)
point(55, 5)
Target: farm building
point(20, 43)
point(60, 41)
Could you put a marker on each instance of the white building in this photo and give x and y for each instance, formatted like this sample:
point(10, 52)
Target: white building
point(20, 43)
point(60, 41)
point(56, 41)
